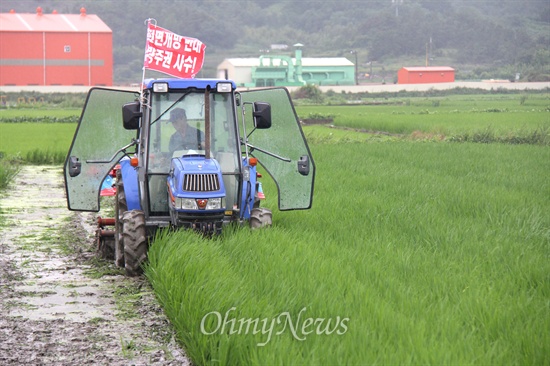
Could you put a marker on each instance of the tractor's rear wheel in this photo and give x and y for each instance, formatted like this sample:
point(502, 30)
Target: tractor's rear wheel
point(120, 207)
point(135, 241)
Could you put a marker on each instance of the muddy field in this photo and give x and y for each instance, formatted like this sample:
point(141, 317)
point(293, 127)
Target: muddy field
point(60, 304)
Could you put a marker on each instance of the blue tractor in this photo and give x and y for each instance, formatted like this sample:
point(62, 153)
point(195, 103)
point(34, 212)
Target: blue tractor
point(185, 155)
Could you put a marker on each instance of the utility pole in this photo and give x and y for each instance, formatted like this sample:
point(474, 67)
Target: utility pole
point(427, 63)
point(396, 4)
point(356, 79)
point(428, 52)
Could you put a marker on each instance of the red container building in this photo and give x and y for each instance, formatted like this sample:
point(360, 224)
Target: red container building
point(55, 49)
point(425, 75)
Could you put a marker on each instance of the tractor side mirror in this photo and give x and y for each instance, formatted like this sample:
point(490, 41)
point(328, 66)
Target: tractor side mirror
point(262, 115)
point(131, 114)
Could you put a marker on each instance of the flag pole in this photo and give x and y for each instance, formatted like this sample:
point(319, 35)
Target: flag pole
point(147, 21)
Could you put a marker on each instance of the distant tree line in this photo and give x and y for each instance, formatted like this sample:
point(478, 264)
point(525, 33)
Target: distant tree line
point(490, 37)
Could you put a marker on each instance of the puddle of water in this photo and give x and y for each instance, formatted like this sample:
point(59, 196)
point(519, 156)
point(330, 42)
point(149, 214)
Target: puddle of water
point(79, 304)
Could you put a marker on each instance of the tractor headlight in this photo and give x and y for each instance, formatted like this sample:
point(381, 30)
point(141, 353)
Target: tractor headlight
point(215, 203)
point(200, 204)
point(187, 204)
point(160, 87)
point(223, 87)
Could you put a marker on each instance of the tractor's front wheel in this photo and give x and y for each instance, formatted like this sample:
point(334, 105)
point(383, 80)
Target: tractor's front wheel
point(260, 217)
point(135, 241)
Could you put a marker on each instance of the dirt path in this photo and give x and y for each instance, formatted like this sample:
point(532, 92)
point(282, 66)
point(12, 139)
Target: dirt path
point(59, 304)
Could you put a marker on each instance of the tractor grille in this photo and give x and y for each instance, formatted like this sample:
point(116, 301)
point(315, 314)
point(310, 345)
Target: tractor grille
point(201, 182)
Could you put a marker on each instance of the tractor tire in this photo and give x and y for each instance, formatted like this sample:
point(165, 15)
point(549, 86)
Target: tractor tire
point(120, 207)
point(135, 241)
point(260, 217)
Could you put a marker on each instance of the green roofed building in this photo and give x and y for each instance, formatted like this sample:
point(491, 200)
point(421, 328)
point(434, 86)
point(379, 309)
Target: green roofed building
point(283, 70)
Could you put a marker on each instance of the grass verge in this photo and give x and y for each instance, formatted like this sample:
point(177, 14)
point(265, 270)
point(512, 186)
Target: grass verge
point(8, 170)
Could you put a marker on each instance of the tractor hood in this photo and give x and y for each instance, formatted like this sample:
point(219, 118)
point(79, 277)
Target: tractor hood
point(195, 176)
point(195, 164)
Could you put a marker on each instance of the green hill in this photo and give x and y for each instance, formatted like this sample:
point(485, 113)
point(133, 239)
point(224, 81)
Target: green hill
point(481, 39)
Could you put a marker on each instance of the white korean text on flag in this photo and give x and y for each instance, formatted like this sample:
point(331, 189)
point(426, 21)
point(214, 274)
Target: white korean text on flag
point(173, 54)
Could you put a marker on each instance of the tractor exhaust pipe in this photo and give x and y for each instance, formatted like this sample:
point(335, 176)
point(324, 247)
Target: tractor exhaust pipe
point(207, 123)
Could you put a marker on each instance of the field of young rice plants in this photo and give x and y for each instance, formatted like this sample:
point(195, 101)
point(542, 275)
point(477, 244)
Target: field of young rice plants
point(37, 136)
point(507, 117)
point(413, 253)
point(37, 143)
point(421, 247)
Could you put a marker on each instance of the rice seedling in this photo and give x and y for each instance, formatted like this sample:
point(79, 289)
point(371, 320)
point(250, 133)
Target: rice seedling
point(8, 170)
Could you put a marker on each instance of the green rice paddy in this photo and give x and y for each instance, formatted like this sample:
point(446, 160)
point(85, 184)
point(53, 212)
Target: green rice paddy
point(416, 251)
point(437, 253)
point(453, 116)
point(37, 136)
point(421, 247)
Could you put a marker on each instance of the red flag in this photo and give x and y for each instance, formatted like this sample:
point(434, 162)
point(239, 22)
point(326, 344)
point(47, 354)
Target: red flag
point(173, 54)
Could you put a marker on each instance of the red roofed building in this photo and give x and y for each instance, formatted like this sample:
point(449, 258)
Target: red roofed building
point(425, 75)
point(55, 49)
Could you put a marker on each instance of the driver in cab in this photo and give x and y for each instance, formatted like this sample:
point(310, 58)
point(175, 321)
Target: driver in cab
point(185, 137)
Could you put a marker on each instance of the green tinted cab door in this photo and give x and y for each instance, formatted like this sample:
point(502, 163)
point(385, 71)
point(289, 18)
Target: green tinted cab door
point(98, 137)
point(295, 173)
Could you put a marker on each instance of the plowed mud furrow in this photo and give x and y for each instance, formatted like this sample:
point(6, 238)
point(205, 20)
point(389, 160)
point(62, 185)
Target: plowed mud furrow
point(56, 307)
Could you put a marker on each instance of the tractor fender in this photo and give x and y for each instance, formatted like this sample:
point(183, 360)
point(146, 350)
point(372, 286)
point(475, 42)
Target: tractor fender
point(131, 188)
point(249, 191)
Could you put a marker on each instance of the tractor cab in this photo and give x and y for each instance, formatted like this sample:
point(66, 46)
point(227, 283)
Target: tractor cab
point(187, 150)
